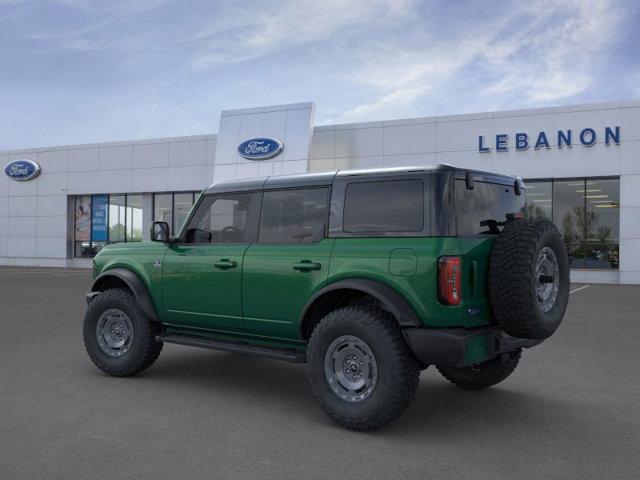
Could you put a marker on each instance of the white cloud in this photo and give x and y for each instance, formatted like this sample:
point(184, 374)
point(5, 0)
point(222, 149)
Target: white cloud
point(287, 24)
point(544, 52)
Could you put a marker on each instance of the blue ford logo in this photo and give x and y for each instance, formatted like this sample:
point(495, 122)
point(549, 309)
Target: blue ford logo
point(260, 148)
point(22, 170)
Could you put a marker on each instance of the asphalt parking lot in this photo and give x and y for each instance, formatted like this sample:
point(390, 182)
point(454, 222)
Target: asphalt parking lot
point(571, 409)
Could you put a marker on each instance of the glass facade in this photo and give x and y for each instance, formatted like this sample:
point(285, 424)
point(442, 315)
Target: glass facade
point(102, 219)
point(173, 208)
point(587, 213)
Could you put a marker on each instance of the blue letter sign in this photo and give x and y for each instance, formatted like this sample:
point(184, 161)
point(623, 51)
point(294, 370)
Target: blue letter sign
point(99, 205)
point(481, 147)
point(522, 141)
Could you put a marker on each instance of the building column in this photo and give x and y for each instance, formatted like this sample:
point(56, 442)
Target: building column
point(147, 215)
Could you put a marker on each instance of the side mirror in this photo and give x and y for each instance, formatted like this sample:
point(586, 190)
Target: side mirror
point(160, 232)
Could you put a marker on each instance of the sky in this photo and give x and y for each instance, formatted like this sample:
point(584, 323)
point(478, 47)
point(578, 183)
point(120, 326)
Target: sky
point(80, 71)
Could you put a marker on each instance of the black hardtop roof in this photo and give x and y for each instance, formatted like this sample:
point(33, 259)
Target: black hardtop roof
point(327, 178)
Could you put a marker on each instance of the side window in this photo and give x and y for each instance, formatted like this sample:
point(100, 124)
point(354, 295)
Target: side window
point(293, 216)
point(384, 206)
point(220, 219)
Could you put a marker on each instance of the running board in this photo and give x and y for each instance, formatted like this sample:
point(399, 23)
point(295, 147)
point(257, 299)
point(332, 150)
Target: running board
point(288, 355)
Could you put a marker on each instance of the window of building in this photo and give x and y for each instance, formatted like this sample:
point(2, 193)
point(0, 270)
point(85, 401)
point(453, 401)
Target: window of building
point(117, 218)
point(293, 216)
point(384, 206)
point(134, 218)
point(220, 219)
point(587, 214)
point(539, 198)
point(102, 219)
point(182, 203)
point(163, 208)
point(173, 208)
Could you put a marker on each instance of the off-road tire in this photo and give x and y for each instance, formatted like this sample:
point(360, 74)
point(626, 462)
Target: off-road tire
point(398, 371)
point(144, 349)
point(512, 278)
point(484, 374)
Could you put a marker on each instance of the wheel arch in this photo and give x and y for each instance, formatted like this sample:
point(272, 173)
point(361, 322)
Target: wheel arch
point(124, 277)
point(344, 291)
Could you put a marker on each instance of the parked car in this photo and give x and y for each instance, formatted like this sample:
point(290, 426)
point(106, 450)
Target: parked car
point(366, 276)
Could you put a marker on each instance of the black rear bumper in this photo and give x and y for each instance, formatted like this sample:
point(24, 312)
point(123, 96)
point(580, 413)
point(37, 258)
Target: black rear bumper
point(459, 347)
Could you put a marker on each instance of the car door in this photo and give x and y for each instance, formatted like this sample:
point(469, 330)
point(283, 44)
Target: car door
point(289, 261)
point(203, 270)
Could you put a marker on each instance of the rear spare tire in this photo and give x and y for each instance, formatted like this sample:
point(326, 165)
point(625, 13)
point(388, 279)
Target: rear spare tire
point(529, 278)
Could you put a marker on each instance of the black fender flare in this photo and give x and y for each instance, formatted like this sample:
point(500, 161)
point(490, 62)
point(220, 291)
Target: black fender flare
point(389, 299)
point(135, 284)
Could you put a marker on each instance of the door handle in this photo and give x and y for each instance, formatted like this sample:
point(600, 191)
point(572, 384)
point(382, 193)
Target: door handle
point(306, 265)
point(225, 263)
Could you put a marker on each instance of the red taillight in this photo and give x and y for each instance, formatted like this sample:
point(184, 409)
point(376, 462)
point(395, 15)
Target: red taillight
point(449, 280)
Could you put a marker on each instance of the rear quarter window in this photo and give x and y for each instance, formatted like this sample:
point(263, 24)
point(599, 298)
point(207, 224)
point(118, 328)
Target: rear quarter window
point(483, 209)
point(384, 206)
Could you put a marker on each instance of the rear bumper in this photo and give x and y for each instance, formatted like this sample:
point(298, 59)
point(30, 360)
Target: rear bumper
point(459, 347)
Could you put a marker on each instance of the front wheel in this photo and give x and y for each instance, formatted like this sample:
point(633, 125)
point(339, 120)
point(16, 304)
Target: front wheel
point(361, 371)
point(119, 339)
point(483, 375)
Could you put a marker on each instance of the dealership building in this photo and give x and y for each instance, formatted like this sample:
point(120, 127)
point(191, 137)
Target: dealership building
point(581, 164)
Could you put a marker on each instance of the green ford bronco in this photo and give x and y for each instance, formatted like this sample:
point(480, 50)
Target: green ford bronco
point(367, 276)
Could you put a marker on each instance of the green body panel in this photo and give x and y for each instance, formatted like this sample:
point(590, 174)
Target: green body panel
point(274, 292)
point(264, 295)
point(139, 257)
point(476, 252)
point(389, 261)
point(199, 295)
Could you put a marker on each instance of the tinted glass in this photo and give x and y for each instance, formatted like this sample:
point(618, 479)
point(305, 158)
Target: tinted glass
point(387, 206)
point(484, 209)
point(134, 218)
point(569, 216)
point(162, 207)
point(116, 218)
point(220, 219)
point(539, 199)
point(293, 216)
point(182, 205)
point(602, 223)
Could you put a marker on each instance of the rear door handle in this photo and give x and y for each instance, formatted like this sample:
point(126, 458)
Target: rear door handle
point(225, 263)
point(306, 265)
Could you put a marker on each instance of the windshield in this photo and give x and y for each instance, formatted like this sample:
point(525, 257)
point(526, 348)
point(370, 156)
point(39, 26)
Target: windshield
point(484, 209)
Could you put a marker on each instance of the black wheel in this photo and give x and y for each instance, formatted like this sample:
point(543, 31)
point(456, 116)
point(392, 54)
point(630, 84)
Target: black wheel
point(117, 336)
point(529, 278)
point(484, 374)
point(361, 371)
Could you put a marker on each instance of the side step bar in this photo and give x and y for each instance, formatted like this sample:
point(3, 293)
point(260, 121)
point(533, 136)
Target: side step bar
point(288, 355)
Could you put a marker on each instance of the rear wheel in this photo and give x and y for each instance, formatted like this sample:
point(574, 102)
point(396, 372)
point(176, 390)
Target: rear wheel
point(483, 375)
point(361, 371)
point(119, 339)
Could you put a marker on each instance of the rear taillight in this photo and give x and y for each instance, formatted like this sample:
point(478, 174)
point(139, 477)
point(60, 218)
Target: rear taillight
point(449, 280)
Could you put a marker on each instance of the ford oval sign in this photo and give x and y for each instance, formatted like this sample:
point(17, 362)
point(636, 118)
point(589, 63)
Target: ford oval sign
point(22, 170)
point(260, 148)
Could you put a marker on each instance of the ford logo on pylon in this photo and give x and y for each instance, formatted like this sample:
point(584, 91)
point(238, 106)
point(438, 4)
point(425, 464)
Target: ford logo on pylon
point(22, 170)
point(260, 148)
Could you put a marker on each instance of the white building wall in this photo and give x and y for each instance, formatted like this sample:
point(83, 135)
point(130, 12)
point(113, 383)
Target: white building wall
point(453, 139)
point(290, 124)
point(36, 218)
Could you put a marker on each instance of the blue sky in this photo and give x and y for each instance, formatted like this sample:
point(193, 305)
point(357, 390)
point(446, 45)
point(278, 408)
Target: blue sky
point(77, 71)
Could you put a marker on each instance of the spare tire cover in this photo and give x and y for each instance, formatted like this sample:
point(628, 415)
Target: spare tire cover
point(529, 278)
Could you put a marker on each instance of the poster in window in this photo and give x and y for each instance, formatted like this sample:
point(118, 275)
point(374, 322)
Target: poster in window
point(99, 208)
point(83, 219)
